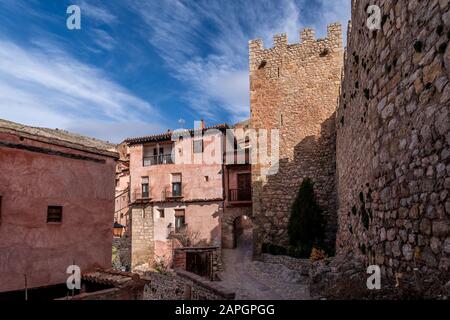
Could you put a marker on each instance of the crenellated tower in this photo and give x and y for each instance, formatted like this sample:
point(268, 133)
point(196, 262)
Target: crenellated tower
point(295, 88)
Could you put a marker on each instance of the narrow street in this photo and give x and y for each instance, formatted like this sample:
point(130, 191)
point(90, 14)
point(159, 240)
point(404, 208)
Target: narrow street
point(255, 280)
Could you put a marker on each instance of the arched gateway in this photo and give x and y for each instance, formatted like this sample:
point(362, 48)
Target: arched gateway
point(235, 221)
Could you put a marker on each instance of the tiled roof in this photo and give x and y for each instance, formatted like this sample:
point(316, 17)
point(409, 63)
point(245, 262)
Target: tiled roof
point(60, 137)
point(243, 124)
point(168, 135)
point(109, 277)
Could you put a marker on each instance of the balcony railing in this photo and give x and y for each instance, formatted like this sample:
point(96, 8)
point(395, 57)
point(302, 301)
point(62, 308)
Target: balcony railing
point(157, 159)
point(239, 158)
point(141, 196)
point(169, 193)
point(236, 195)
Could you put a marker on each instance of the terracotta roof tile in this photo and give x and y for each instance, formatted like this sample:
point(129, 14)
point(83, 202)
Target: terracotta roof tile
point(60, 137)
point(168, 135)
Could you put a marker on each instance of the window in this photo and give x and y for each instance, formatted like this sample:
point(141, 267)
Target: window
point(145, 187)
point(161, 213)
point(180, 221)
point(198, 146)
point(149, 158)
point(176, 185)
point(54, 214)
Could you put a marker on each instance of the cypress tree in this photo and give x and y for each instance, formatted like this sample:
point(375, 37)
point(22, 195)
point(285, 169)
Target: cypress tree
point(306, 223)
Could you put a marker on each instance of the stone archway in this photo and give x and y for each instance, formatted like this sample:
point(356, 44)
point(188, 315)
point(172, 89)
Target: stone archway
point(229, 230)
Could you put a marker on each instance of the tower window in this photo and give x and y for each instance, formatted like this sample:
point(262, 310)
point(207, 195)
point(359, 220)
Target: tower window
point(54, 214)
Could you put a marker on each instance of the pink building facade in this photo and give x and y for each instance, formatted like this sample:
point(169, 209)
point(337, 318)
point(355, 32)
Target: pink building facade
point(238, 192)
point(56, 205)
point(177, 192)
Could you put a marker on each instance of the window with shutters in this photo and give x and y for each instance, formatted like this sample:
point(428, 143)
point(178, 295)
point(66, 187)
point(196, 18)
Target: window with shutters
point(145, 187)
point(54, 214)
point(180, 219)
point(176, 185)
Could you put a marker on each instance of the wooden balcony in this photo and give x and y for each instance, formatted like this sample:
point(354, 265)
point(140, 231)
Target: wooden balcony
point(239, 196)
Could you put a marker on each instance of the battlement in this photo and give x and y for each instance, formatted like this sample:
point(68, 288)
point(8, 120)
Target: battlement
point(307, 36)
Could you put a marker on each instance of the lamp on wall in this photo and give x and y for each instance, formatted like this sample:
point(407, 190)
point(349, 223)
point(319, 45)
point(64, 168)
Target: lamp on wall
point(118, 230)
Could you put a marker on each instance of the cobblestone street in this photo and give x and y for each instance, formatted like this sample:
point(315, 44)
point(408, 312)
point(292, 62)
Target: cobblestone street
point(255, 280)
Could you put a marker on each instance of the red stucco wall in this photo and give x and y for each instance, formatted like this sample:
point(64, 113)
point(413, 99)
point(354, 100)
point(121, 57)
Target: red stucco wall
point(32, 181)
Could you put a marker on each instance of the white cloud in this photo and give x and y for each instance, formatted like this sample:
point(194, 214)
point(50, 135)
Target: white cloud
point(103, 39)
point(182, 31)
point(97, 13)
point(51, 88)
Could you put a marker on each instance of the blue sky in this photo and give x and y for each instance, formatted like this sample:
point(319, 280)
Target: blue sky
point(137, 67)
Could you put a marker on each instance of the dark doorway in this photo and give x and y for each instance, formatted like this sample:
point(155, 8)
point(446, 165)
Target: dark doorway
point(244, 186)
point(200, 263)
point(242, 227)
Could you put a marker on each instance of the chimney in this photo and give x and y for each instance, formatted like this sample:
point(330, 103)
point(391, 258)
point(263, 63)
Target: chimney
point(202, 124)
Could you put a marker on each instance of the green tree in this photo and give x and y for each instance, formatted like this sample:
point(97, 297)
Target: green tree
point(306, 223)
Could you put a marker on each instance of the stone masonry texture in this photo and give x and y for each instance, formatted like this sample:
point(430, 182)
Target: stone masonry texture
point(393, 170)
point(142, 240)
point(295, 88)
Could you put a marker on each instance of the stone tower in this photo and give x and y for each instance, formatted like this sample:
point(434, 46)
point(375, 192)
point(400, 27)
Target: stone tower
point(295, 88)
point(393, 136)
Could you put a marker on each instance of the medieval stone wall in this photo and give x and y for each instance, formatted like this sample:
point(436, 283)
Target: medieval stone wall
point(183, 285)
point(142, 238)
point(295, 88)
point(393, 137)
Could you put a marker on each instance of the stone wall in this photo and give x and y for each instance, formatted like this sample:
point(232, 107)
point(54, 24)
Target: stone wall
point(142, 240)
point(122, 252)
point(295, 88)
point(183, 286)
point(301, 265)
point(393, 136)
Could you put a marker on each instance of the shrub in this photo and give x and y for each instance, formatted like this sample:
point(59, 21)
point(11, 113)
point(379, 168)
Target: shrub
point(317, 255)
point(115, 258)
point(161, 264)
point(306, 225)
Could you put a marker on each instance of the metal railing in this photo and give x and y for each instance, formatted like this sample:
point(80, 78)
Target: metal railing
point(240, 195)
point(169, 193)
point(139, 195)
point(157, 159)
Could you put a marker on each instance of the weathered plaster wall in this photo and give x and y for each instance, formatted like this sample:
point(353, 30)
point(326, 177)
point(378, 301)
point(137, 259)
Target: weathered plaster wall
point(195, 185)
point(295, 88)
point(202, 219)
point(393, 137)
point(202, 196)
point(32, 181)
